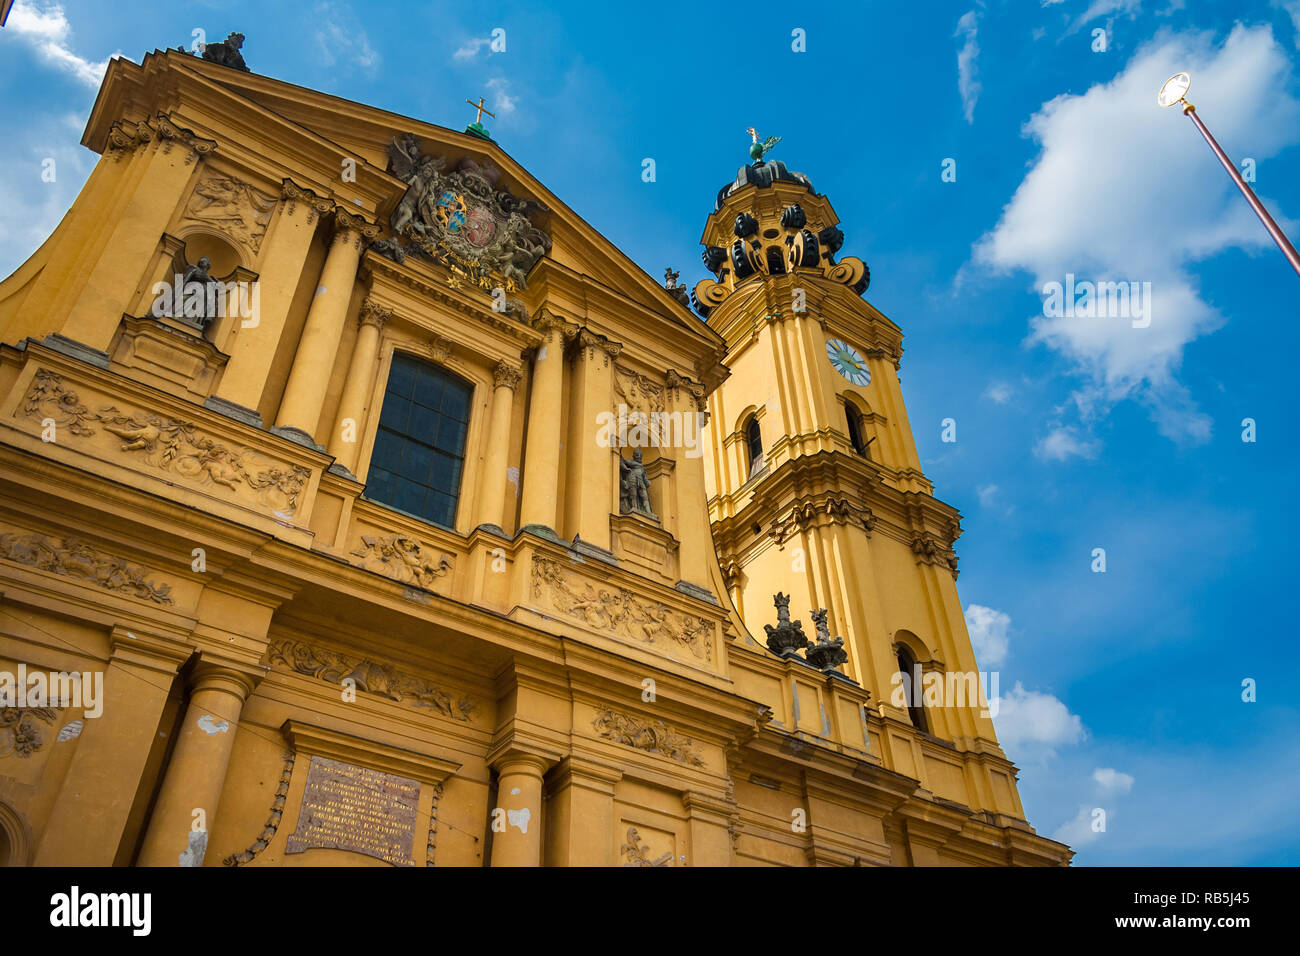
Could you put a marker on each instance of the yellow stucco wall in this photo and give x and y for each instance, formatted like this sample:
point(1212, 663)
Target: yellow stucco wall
point(545, 682)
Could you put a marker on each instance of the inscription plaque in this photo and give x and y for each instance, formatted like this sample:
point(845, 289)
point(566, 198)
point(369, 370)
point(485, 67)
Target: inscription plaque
point(346, 807)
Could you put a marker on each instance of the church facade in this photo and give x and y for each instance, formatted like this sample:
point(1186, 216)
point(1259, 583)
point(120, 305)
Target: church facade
point(362, 505)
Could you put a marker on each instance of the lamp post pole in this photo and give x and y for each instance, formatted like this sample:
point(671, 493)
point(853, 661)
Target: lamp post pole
point(1179, 84)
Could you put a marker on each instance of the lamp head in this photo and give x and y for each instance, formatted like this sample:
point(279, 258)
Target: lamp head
point(1174, 90)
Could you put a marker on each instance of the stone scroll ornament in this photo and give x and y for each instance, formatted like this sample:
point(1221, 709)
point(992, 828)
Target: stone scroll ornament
point(795, 248)
point(482, 233)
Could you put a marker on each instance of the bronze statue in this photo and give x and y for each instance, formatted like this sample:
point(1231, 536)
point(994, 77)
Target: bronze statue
point(198, 275)
point(634, 487)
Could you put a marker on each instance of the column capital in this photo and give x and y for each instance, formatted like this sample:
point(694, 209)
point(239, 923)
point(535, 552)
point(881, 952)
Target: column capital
point(506, 375)
point(693, 391)
point(516, 760)
point(373, 313)
point(315, 205)
point(588, 774)
point(547, 322)
point(229, 677)
point(591, 345)
point(346, 221)
point(159, 652)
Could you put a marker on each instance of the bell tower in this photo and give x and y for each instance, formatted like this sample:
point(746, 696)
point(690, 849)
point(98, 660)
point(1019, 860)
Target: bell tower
point(815, 487)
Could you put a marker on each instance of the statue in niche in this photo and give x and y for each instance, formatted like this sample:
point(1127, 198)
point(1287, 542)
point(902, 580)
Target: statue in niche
point(634, 487)
point(199, 305)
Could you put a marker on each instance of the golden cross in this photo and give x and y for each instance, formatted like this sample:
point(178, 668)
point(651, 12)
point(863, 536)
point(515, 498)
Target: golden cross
point(481, 110)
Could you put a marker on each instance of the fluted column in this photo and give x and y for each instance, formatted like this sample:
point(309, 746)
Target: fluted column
point(590, 469)
point(186, 807)
point(519, 794)
point(89, 822)
point(693, 531)
point(345, 440)
point(309, 378)
point(284, 253)
point(539, 508)
point(492, 501)
point(161, 171)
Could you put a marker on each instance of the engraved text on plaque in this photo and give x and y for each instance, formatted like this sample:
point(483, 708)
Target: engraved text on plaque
point(346, 807)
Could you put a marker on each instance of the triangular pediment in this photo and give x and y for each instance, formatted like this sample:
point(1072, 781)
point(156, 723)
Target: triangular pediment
point(367, 132)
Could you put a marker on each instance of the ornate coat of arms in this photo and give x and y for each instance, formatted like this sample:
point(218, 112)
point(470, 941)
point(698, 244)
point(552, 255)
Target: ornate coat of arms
point(483, 234)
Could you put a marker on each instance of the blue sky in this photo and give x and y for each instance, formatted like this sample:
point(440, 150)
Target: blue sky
point(1123, 689)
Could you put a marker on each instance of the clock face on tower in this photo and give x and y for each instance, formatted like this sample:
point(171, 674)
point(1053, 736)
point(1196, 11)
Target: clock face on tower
point(846, 360)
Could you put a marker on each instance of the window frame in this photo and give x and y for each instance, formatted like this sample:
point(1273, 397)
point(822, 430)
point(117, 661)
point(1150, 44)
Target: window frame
point(392, 354)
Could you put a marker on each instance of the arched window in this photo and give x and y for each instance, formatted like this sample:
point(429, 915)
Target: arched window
point(915, 708)
point(420, 447)
point(754, 441)
point(857, 434)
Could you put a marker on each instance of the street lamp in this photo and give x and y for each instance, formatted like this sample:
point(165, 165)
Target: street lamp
point(1173, 92)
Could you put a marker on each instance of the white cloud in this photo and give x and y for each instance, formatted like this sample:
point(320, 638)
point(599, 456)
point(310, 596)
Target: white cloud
point(990, 629)
point(1110, 779)
point(1107, 200)
point(1292, 9)
point(1079, 831)
point(45, 27)
point(1104, 8)
point(338, 29)
point(470, 48)
point(503, 104)
point(33, 207)
point(1085, 827)
point(999, 392)
point(986, 494)
point(1036, 722)
point(1065, 442)
point(968, 84)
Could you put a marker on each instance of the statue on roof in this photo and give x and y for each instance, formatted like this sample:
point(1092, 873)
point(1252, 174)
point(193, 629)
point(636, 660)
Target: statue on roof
point(226, 53)
point(758, 150)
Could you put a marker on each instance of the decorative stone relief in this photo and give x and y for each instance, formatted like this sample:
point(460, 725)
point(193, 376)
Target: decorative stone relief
point(171, 446)
point(231, 206)
point(272, 822)
point(74, 558)
point(401, 558)
point(462, 219)
point(638, 392)
point(20, 732)
point(653, 737)
point(620, 612)
point(831, 509)
point(639, 855)
point(373, 677)
point(929, 549)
